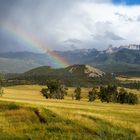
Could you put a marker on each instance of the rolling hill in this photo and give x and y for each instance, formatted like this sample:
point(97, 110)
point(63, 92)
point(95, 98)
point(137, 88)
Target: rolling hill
point(72, 75)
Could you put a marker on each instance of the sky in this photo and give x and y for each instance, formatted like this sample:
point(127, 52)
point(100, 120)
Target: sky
point(69, 24)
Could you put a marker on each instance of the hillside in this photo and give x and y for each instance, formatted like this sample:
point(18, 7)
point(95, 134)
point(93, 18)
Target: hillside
point(72, 75)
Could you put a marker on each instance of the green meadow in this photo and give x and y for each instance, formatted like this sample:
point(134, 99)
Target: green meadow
point(26, 115)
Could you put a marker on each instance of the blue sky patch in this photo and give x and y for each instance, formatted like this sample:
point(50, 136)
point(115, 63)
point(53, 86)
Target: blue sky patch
point(127, 2)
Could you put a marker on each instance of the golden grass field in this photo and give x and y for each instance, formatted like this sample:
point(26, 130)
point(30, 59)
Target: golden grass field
point(128, 78)
point(74, 120)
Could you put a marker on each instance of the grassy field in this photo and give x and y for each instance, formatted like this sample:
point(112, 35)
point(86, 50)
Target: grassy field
point(31, 116)
point(130, 79)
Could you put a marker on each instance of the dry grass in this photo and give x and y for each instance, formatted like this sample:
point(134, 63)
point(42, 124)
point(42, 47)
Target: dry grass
point(128, 78)
point(105, 120)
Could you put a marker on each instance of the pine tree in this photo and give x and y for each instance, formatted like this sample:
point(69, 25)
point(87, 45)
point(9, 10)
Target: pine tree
point(77, 93)
point(92, 95)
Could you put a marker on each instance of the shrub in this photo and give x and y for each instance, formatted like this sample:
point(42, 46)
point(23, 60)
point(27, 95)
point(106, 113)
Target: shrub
point(13, 106)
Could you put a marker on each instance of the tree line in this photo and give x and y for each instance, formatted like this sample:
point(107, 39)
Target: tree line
point(1, 89)
point(57, 90)
point(131, 85)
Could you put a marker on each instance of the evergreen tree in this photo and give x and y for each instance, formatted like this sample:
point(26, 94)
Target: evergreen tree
point(125, 97)
point(112, 93)
point(132, 98)
point(108, 94)
point(103, 94)
point(122, 97)
point(92, 95)
point(1, 80)
point(77, 93)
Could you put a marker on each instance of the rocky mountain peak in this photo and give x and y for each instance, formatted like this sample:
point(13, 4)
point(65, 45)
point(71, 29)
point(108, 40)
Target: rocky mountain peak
point(87, 70)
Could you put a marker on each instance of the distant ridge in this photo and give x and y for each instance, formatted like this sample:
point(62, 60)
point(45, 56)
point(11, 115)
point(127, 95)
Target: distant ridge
point(124, 59)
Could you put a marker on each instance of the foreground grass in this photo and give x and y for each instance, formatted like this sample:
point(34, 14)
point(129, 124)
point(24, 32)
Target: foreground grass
point(64, 119)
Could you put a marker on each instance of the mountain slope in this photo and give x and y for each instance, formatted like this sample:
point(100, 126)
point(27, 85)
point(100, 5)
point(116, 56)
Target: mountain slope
point(74, 75)
point(85, 70)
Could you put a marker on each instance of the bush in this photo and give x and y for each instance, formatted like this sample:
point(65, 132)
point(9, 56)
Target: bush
point(13, 106)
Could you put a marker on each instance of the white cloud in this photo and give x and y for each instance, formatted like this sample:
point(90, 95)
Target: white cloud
point(100, 19)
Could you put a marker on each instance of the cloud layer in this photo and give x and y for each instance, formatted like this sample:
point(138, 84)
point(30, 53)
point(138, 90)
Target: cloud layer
point(69, 24)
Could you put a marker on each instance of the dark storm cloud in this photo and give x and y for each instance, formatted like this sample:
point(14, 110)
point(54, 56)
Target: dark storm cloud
point(60, 24)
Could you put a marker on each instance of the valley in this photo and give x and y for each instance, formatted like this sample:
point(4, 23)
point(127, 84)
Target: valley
point(69, 70)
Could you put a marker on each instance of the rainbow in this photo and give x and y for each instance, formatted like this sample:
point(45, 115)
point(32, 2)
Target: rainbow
point(32, 41)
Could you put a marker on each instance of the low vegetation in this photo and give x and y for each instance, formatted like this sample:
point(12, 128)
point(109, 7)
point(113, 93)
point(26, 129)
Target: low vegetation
point(84, 121)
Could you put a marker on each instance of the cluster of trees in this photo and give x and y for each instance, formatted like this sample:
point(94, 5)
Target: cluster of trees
point(131, 85)
point(54, 90)
point(111, 94)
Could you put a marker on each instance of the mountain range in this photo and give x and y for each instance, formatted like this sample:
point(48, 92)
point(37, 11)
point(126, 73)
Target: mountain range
point(122, 60)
